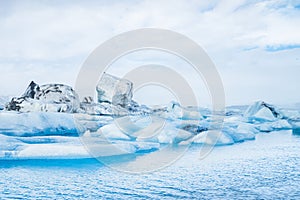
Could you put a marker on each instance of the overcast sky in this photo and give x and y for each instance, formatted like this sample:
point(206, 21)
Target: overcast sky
point(255, 45)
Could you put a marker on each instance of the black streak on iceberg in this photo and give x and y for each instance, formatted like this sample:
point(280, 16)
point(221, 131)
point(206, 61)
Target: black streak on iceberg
point(48, 97)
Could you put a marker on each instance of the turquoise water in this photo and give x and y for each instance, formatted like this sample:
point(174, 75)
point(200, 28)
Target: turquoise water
point(265, 168)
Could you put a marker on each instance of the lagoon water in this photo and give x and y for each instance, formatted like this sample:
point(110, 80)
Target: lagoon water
point(265, 168)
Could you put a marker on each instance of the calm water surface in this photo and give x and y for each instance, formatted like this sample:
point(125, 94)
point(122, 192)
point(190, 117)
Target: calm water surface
point(267, 168)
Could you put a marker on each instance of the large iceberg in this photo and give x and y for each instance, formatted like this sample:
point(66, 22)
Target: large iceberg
point(47, 98)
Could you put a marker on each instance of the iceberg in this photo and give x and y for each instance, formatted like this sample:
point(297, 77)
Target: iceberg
point(261, 111)
point(109, 132)
point(239, 134)
point(46, 98)
point(113, 90)
point(176, 111)
point(213, 138)
point(172, 135)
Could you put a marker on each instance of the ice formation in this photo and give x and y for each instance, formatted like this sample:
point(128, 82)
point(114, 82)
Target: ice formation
point(48, 98)
point(49, 121)
point(261, 111)
point(114, 90)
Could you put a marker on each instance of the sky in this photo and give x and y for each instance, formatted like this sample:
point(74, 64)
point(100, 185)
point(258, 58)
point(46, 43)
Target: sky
point(255, 45)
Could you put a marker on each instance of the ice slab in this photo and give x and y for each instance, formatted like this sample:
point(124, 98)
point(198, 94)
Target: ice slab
point(37, 123)
point(213, 138)
point(61, 147)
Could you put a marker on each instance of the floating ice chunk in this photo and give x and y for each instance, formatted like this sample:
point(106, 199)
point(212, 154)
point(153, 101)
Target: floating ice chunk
point(213, 138)
point(45, 147)
point(99, 146)
point(129, 128)
point(60, 147)
point(241, 134)
point(37, 123)
point(53, 151)
point(261, 111)
point(265, 127)
point(274, 126)
point(172, 135)
point(281, 125)
point(176, 111)
point(46, 98)
point(139, 128)
point(264, 114)
point(114, 90)
point(246, 128)
point(233, 121)
point(111, 132)
point(151, 129)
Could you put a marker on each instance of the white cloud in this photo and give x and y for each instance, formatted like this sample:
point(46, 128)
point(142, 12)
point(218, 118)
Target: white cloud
point(48, 41)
